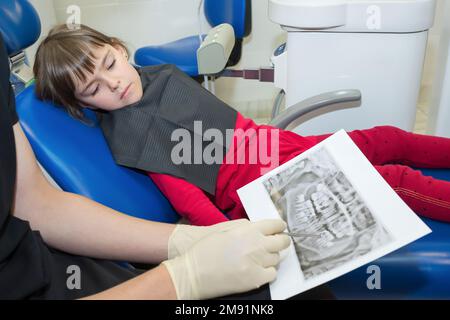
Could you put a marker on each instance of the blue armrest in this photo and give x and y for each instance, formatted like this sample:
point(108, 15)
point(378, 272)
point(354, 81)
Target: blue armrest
point(77, 157)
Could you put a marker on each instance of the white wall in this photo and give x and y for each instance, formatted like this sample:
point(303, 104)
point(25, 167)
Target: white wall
point(46, 13)
point(439, 112)
point(431, 56)
point(146, 22)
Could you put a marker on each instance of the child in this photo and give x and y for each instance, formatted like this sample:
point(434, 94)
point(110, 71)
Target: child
point(141, 110)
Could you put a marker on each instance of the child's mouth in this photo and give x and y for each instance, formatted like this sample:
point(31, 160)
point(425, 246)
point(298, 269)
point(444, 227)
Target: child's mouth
point(125, 92)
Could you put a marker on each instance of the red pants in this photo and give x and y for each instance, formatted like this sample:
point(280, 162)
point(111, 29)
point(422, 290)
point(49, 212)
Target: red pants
point(392, 150)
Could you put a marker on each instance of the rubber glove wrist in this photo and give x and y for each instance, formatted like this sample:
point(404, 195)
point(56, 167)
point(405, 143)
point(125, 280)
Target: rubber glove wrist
point(184, 236)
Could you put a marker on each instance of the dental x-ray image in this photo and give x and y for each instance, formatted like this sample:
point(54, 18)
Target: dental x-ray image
point(329, 222)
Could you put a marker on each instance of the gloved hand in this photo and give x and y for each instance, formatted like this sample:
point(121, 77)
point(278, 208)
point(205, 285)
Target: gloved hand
point(184, 236)
point(238, 259)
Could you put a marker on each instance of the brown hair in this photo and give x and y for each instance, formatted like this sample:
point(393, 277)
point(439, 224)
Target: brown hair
point(64, 53)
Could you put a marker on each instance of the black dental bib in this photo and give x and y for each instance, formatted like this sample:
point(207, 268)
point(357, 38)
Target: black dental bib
point(140, 135)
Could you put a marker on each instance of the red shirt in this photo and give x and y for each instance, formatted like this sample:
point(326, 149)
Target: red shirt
point(201, 208)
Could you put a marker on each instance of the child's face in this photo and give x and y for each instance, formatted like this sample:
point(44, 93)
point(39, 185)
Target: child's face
point(114, 84)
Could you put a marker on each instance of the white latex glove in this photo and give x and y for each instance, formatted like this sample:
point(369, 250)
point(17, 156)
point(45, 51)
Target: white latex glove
point(235, 260)
point(184, 236)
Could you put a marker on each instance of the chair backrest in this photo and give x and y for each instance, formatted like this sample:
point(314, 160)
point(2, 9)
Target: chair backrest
point(235, 12)
point(77, 157)
point(238, 13)
point(19, 25)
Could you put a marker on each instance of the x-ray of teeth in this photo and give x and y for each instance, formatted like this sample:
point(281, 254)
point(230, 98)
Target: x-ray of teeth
point(314, 197)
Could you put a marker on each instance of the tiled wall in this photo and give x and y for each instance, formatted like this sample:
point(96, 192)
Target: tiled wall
point(138, 23)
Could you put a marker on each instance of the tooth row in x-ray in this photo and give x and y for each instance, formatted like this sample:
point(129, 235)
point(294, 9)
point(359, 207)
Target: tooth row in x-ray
point(332, 222)
point(333, 211)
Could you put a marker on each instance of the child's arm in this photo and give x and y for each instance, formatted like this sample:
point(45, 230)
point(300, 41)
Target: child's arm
point(188, 200)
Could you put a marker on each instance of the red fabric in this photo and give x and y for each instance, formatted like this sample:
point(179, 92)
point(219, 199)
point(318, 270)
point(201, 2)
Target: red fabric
point(188, 200)
point(392, 150)
point(389, 149)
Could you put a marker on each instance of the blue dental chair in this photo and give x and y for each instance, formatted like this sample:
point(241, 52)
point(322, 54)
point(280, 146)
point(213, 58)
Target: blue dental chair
point(183, 52)
point(71, 164)
point(77, 157)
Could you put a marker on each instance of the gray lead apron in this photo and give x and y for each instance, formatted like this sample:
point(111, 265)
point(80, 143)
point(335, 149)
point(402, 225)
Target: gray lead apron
point(140, 135)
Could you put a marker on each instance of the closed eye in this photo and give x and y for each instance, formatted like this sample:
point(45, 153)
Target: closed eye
point(112, 65)
point(95, 91)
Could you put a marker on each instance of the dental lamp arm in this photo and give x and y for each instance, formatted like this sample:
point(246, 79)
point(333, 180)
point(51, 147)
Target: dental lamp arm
point(322, 103)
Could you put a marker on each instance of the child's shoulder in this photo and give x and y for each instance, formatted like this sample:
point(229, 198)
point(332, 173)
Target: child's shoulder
point(157, 68)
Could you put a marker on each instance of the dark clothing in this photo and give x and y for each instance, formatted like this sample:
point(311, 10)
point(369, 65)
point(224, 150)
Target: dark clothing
point(161, 132)
point(28, 268)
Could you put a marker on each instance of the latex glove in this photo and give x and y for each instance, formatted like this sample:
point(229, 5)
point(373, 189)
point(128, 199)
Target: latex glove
point(184, 236)
point(238, 259)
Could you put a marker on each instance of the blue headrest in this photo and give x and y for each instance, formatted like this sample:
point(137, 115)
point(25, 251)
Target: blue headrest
point(19, 25)
point(233, 12)
point(77, 157)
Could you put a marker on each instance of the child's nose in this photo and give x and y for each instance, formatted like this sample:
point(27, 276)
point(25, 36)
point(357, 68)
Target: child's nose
point(114, 84)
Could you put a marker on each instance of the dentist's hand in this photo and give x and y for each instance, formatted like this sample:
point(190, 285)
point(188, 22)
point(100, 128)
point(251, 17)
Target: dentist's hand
point(235, 260)
point(185, 236)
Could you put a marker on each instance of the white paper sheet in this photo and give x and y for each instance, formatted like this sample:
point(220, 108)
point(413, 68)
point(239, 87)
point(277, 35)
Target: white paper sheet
point(333, 192)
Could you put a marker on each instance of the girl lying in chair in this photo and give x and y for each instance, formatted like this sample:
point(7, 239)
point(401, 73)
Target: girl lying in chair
point(196, 148)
